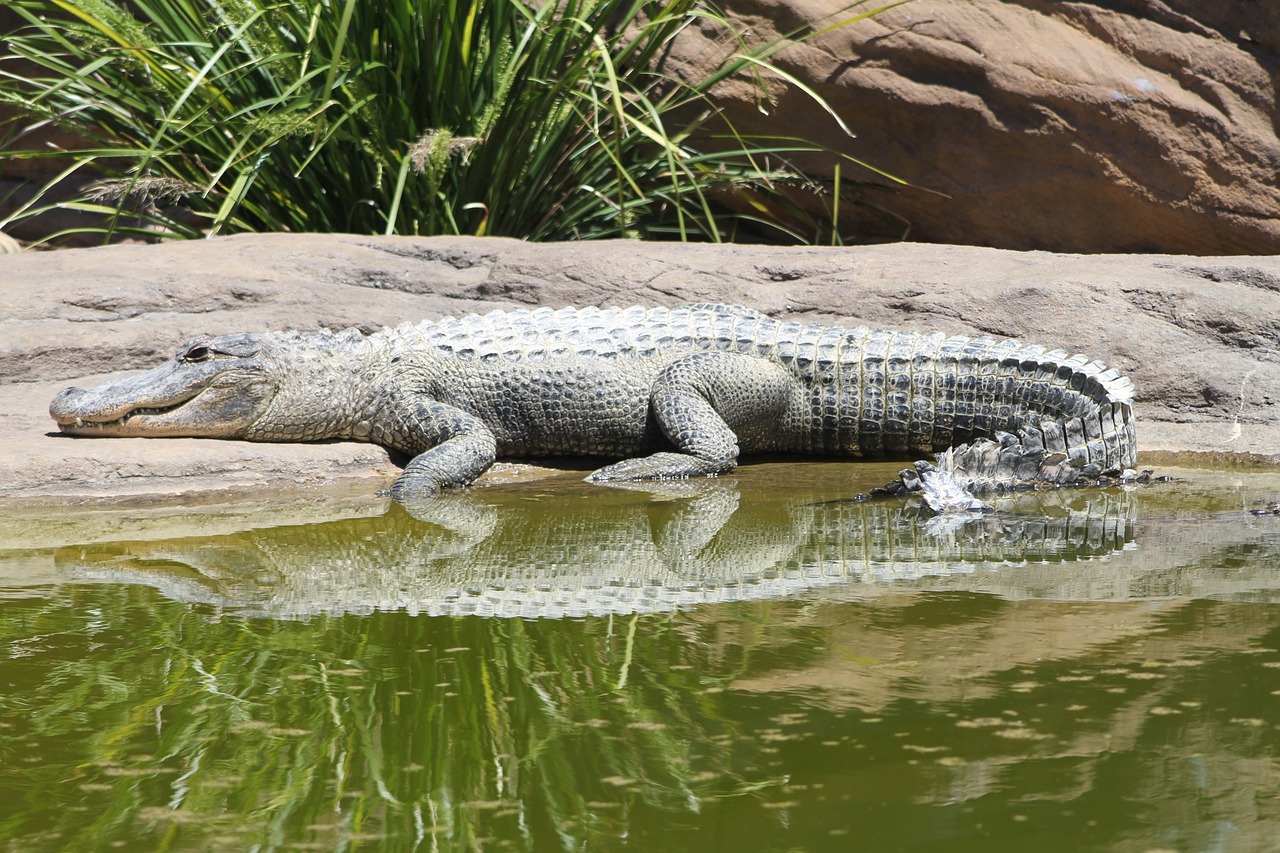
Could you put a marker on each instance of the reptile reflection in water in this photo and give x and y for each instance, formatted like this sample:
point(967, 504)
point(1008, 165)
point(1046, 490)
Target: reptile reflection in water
point(648, 549)
point(912, 719)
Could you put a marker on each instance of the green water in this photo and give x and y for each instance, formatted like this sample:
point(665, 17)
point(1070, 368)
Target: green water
point(747, 664)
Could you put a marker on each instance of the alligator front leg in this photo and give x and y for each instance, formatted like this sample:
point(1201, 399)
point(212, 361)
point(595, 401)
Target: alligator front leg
point(704, 403)
point(453, 447)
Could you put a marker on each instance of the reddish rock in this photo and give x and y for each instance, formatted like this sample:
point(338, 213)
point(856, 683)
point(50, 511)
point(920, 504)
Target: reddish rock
point(1086, 126)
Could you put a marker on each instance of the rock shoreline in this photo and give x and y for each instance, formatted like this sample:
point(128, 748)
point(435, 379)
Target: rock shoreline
point(1200, 336)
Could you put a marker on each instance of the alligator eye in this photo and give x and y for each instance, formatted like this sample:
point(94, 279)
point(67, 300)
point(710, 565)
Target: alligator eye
point(197, 353)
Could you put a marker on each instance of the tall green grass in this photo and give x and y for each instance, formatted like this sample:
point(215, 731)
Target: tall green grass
point(490, 117)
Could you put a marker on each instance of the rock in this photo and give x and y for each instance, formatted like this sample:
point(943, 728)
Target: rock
point(1084, 127)
point(1197, 335)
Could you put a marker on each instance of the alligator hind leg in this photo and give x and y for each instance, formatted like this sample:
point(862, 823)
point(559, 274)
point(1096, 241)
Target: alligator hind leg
point(704, 404)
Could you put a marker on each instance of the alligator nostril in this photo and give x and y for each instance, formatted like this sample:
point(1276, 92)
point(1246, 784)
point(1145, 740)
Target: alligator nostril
point(64, 399)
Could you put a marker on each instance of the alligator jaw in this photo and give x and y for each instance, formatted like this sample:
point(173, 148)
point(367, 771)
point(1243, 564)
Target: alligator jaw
point(87, 425)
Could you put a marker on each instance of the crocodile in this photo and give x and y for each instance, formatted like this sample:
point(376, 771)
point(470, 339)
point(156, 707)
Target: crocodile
point(670, 392)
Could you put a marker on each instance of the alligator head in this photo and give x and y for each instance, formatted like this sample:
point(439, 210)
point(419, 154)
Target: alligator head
point(213, 388)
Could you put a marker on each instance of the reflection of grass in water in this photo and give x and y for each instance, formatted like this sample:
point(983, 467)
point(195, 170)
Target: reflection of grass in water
point(186, 727)
point(128, 719)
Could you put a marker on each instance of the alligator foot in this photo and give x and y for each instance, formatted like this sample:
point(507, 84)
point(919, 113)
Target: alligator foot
point(662, 466)
point(999, 466)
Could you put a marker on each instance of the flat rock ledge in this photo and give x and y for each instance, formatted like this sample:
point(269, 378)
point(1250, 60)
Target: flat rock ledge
point(1200, 336)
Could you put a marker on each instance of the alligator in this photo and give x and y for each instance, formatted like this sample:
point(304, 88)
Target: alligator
point(671, 392)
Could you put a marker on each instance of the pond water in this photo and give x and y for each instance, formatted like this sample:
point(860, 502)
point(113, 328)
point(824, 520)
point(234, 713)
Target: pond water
point(749, 663)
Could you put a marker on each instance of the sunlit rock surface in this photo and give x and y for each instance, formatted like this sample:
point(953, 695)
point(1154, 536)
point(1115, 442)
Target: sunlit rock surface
point(1197, 335)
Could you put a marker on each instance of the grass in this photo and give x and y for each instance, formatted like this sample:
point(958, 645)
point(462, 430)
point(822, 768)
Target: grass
point(491, 117)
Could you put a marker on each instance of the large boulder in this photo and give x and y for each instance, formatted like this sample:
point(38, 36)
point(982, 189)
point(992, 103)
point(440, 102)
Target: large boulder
point(1021, 124)
point(1197, 335)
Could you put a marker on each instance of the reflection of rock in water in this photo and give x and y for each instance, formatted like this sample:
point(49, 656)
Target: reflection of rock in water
point(662, 549)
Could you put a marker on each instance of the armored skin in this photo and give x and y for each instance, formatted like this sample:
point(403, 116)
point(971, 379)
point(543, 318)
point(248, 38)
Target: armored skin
point(671, 392)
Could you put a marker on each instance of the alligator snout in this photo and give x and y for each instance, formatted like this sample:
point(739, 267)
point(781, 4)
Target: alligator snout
point(77, 410)
point(63, 408)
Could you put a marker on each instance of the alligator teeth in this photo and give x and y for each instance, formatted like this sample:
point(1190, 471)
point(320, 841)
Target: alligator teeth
point(150, 410)
point(123, 420)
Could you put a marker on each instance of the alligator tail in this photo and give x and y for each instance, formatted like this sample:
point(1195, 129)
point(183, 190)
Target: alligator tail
point(1096, 446)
